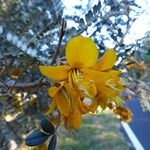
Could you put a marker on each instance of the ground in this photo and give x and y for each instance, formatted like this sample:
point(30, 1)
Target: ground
point(99, 131)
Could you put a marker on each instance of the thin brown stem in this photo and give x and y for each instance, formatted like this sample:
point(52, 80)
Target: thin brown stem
point(124, 35)
point(4, 57)
point(126, 32)
point(35, 84)
point(62, 32)
point(3, 84)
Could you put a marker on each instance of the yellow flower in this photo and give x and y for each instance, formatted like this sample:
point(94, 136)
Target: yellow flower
point(68, 100)
point(84, 83)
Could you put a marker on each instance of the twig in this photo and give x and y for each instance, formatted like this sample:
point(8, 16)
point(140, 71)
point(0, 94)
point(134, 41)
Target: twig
point(62, 32)
point(31, 84)
point(127, 11)
point(4, 57)
point(127, 30)
point(3, 83)
point(35, 84)
point(124, 35)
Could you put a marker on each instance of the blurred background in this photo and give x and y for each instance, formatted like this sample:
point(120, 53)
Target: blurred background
point(29, 36)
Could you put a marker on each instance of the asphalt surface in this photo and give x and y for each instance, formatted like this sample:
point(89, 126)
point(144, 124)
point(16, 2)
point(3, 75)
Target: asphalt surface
point(140, 124)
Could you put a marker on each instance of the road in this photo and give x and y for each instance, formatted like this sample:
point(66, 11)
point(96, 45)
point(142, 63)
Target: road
point(140, 124)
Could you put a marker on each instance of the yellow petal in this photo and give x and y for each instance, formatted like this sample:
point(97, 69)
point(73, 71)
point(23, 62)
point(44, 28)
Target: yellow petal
point(62, 103)
point(103, 96)
point(114, 73)
point(82, 108)
point(95, 76)
point(73, 121)
point(70, 79)
point(73, 91)
point(54, 89)
point(89, 88)
point(100, 77)
point(55, 121)
point(107, 61)
point(55, 72)
point(51, 108)
point(103, 103)
point(107, 94)
point(104, 91)
point(114, 76)
point(93, 106)
point(81, 52)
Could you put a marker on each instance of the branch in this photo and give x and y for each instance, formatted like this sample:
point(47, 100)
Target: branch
point(31, 84)
point(2, 83)
point(62, 32)
point(34, 84)
point(126, 32)
point(124, 35)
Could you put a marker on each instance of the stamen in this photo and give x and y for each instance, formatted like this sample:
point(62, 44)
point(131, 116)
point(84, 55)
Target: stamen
point(110, 83)
point(82, 83)
point(117, 100)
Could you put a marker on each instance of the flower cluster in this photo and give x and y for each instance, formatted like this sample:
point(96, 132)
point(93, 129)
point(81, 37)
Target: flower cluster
point(84, 83)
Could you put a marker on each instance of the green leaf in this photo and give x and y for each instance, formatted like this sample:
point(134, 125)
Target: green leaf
point(36, 138)
point(120, 34)
point(24, 57)
point(73, 31)
point(88, 16)
point(47, 126)
point(99, 5)
point(95, 9)
point(52, 144)
point(113, 37)
point(82, 23)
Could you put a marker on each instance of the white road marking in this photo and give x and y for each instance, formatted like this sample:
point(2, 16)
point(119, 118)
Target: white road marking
point(136, 143)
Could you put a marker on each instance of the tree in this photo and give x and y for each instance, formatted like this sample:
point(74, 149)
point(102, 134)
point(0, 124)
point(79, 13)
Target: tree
point(34, 32)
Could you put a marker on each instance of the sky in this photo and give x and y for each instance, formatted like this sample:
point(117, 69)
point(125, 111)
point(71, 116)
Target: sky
point(139, 27)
